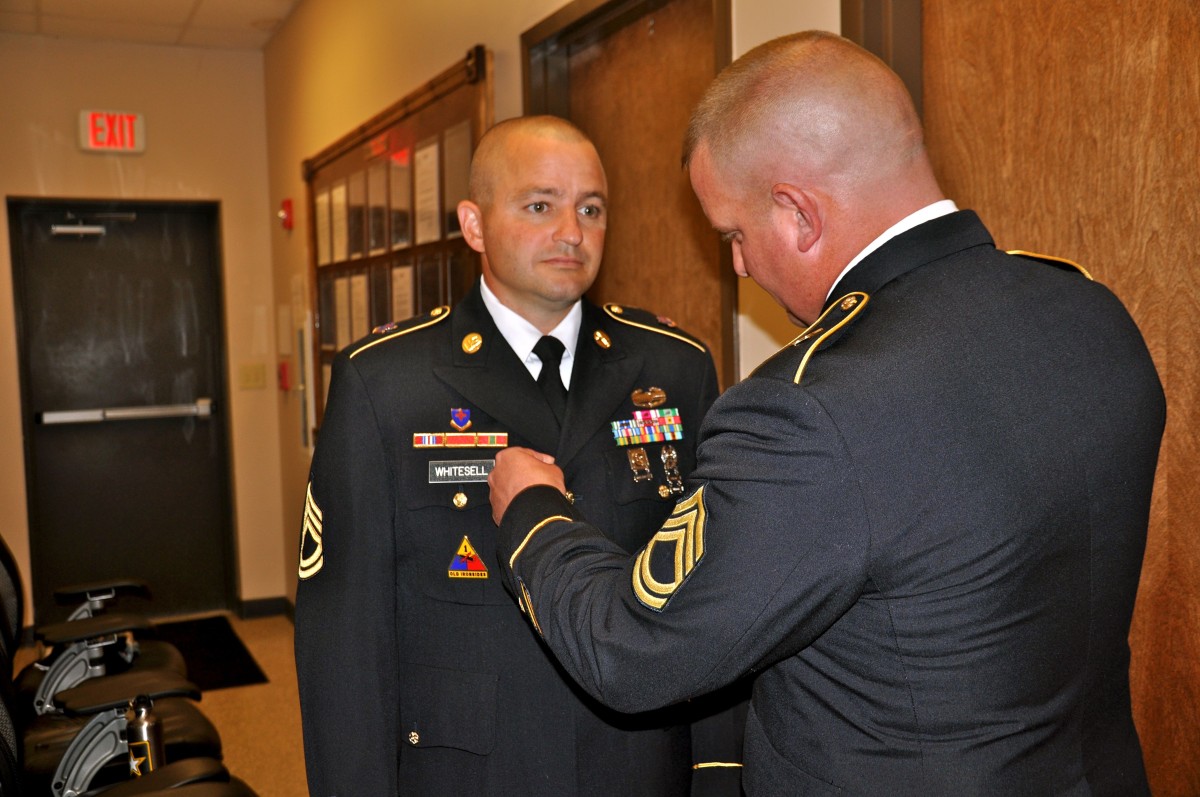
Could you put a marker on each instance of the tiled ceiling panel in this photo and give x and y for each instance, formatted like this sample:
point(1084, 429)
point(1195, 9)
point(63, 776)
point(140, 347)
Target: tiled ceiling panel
point(221, 24)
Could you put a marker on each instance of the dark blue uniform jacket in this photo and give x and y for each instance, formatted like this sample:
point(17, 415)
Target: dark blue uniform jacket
point(922, 525)
point(418, 675)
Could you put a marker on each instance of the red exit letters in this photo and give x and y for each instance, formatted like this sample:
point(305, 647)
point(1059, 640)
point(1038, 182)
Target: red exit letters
point(111, 131)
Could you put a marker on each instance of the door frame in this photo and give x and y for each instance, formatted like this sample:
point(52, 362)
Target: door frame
point(212, 210)
point(891, 29)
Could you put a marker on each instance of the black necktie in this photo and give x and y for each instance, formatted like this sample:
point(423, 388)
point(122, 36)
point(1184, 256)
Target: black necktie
point(550, 351)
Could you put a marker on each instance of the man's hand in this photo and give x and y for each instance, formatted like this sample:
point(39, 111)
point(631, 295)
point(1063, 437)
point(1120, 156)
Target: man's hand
point(516, 469)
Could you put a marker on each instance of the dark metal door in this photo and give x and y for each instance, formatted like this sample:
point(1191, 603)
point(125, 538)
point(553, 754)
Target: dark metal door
point(122, 363)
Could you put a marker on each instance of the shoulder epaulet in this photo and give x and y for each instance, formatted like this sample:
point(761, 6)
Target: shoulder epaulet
point(1060, 262)
point(396, 329)
point(835, 318)
point(644, 319)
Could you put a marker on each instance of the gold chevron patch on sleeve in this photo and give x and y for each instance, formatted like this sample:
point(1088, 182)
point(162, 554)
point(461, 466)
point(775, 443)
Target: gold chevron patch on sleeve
point(312, 552)
point(671, 555)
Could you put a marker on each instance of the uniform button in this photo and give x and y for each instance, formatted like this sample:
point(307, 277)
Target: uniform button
point(460, 500)
point(414, 737)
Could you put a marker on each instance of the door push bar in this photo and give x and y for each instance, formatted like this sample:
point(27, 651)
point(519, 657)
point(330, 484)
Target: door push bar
point(78, 229)
point(201, 409)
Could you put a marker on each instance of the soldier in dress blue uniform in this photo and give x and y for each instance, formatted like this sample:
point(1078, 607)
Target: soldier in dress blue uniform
point(922, 523)
point(417, 673)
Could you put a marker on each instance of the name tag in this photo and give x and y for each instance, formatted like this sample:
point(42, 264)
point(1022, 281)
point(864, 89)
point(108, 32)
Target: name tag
point(456, 471)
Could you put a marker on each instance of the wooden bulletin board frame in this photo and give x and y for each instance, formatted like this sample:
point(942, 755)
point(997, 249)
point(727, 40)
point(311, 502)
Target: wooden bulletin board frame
point(383, 238)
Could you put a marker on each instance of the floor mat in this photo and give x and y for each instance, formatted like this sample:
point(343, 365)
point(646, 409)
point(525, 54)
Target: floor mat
point(216, 658)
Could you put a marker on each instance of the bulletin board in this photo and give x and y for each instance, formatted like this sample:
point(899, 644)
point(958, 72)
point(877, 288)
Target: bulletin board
point(384, 235)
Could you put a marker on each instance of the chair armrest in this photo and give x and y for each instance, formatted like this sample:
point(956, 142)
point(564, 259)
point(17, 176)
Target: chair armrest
point(101, 590)
point(115, 691)
point(91, 628)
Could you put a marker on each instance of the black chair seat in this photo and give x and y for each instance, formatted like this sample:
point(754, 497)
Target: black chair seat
point(187, 733)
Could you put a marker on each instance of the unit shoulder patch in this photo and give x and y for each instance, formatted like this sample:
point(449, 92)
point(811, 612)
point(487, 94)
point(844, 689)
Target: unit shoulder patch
point(397, 329)
point(1058, 262)
point(644, 319)
point(672, 554)
point(840, 313)
point(466, 562)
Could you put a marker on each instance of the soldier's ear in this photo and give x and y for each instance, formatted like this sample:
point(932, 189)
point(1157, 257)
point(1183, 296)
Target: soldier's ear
point(470, 220)
point(805, 213)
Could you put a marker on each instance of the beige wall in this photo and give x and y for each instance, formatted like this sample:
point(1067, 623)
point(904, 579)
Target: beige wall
point(206, 140)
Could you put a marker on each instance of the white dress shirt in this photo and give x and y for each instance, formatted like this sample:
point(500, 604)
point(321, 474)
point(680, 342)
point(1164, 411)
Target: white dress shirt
point(943, 207)
point(522, 336)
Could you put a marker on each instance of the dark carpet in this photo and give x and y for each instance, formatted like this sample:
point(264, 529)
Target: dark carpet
point(216, 658)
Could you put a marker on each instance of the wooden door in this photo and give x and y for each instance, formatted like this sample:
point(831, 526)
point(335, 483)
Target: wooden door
point(121, 359)
point(1072, 128)
point(629, 74)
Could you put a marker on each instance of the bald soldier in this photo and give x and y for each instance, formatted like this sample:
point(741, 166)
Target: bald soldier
point(922, 523)
point(417, 676)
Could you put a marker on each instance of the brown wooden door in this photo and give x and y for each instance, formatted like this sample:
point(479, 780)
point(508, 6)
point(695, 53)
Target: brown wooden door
point(630, 78)
point(1072, 128)
point(121, 356)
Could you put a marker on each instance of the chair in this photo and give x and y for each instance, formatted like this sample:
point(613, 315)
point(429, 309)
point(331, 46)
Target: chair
point(76, 743)
point(92, 642)
point(97, 759)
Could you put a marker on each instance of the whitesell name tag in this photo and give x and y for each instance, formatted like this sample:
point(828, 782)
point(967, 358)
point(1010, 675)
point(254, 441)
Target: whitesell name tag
point(457, 471)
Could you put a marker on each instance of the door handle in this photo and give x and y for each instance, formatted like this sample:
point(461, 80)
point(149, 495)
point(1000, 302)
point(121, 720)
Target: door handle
point(201, 408)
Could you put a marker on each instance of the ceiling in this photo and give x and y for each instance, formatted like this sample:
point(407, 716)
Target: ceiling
point(219, 24)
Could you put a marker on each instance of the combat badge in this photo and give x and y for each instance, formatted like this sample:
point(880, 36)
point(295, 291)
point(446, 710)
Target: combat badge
point(466, 563)
point(312, 552)
point(672, 554)
point(649, 398)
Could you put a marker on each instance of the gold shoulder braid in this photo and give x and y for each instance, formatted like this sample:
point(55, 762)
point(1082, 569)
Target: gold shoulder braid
point(836, 316)
point(399, 328)
point(1060, 262)
point(643, 319)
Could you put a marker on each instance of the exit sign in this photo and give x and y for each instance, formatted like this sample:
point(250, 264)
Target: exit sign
point(112, 131)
